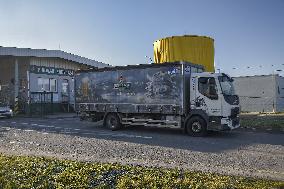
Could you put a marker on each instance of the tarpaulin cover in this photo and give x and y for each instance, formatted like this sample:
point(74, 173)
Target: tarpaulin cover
point(195, 49)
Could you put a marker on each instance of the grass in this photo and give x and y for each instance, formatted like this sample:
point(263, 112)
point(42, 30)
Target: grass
point(39, 172)
point(263, 121)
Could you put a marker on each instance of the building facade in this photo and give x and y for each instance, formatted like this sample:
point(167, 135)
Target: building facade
point(33, 80)
point(263, 93)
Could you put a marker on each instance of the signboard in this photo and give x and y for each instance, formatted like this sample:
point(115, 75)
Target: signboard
point(51, 70)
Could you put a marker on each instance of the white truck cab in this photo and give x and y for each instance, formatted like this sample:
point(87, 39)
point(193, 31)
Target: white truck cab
point(214, 95)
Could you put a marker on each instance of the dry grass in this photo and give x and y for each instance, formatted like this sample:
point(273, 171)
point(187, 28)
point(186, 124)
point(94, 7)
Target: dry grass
point(263, 121)
point(34, 172)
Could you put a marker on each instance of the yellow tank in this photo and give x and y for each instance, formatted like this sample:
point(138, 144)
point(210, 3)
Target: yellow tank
point(190, 48)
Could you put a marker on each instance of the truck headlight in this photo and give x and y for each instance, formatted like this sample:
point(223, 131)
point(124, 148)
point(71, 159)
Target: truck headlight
point(11, 111)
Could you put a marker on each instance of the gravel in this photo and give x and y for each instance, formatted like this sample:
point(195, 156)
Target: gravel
point(255, 160)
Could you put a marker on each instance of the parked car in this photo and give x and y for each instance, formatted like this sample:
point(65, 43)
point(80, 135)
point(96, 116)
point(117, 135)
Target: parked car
point(5, 111)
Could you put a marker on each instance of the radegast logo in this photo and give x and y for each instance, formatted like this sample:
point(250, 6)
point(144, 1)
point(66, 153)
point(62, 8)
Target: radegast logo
point(122, 84)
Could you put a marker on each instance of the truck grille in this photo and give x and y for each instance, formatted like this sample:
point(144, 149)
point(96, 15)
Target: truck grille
point(235, 121)
point(235, 112)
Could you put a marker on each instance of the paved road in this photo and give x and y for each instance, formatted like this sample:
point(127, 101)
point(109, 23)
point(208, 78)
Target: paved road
point(241, 153)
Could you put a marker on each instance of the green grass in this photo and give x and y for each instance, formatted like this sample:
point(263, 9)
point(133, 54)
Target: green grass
point(38, 172)
point(263, 121)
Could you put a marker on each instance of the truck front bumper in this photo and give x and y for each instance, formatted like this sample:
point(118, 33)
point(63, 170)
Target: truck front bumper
point(230, 123)
point(223, 123)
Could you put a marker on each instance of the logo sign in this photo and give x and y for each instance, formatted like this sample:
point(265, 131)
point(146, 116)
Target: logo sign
point(51, 71)
point(187, 69)
point(173, 71)
point(122, 84)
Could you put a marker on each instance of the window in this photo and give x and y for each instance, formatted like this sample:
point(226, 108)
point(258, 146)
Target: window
point(65, 88)
point(207, 87)
point(193, 69)
point(53, 85)
point(43, 84)
point(200, 70)
point(227, 85)
point(46, 84)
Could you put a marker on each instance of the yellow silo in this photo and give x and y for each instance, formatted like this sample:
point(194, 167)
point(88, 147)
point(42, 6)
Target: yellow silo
point(190, 48)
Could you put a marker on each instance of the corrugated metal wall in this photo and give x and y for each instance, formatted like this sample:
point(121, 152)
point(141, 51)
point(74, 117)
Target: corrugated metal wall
point(280, 94)
point(260, 93)
point(54, 63)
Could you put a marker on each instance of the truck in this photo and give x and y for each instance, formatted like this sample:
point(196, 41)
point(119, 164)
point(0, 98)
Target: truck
point(172, 95)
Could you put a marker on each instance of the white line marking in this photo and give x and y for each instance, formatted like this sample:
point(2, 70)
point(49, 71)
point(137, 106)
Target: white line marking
point(13, 122)
point(148, 137)
point(77, 129)
point(68, 132)
point(28, 130)
point(87, 133)
point(7, 128)
point(48, 126)
point(24, 123)
point(33, 124)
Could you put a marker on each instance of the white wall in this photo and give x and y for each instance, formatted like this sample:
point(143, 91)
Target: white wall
point(280, 93)
point(257, 93)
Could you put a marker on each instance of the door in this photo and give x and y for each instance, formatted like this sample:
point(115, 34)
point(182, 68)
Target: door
point(65, 90)
point(207, 97)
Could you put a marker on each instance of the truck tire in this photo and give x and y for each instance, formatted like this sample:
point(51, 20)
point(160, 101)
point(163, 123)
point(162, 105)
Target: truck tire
point(196, 126)
point(112, 122)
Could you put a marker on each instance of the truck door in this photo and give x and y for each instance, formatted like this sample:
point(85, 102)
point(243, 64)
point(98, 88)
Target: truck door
point(206, 96)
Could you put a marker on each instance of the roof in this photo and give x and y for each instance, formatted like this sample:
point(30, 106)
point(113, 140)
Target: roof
point(43, 53)
point(152, 65)
point(186, 36)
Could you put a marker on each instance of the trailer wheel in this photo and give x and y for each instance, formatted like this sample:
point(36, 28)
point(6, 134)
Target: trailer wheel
point(196, 126)
point(112, 122)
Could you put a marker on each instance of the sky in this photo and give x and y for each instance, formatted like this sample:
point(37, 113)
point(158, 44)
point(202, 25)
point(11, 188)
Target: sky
point(248, 34)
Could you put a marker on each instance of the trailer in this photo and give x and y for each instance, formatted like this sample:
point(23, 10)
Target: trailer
point(161, 95)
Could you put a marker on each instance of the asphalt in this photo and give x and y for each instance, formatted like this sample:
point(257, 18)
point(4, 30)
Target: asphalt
point(240, 152)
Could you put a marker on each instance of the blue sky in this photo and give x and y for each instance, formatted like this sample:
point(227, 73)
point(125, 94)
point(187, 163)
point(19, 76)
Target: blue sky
point(247, 33)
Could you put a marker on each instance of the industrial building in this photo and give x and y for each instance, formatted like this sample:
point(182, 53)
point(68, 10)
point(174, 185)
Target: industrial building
point(262, 93)
point(31, 79)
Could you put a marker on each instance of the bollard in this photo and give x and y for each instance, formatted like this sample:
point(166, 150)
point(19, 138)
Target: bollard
point(16, 107)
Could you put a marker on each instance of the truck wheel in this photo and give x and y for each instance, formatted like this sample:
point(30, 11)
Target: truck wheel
point(196, 126)
point(112, 122)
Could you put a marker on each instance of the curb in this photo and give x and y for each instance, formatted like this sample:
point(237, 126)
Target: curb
point(268, 130)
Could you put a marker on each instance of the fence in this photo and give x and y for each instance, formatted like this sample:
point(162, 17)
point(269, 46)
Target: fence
point(261, 104)
point(41, 103)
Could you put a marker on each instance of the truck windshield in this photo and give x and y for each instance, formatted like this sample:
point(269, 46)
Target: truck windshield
point(226, 85)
